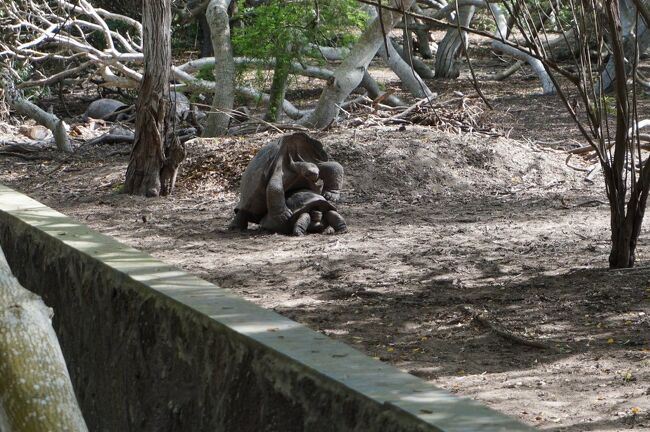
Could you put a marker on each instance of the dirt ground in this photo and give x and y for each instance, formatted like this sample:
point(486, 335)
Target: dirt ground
point(476, 262)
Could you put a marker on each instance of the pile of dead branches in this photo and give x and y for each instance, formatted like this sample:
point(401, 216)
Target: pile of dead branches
point(457, 115)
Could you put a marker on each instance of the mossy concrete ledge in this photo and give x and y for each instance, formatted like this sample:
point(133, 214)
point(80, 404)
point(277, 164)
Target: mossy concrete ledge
point(152, 348)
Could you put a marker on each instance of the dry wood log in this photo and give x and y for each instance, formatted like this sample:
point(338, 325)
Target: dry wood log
point(36, 394)
point(24, 107)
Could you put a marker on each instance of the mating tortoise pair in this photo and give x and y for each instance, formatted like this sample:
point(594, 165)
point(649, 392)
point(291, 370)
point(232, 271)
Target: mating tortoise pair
point(289, 187)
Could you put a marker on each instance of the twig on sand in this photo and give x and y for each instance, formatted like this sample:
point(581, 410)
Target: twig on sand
point(485, 320)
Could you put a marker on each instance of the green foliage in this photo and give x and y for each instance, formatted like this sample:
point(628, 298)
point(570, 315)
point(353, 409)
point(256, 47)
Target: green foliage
point(565, 18)
point(484, 21)
point(206, 73)
point(25, 72)
point(184, 36)
point(280, 27)
point(609, 103)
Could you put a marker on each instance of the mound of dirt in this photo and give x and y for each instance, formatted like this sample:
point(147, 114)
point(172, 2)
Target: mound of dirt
point(217, 162)
point(420, 161)
point(410, 163)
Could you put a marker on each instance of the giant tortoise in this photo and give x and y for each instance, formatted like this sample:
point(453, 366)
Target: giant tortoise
point(293, 162)
point(311, 213)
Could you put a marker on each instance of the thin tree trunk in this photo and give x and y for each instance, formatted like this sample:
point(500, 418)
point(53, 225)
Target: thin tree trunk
point(278, 88)
point(424, 48)
point(449, 49)
point(422, 69)
point(537, 66)
point(156, 153)
point(224, 68)
point(35, 390)
point(631, 38)
point(622, 252)
point(423, 43)
point(407, 40)
point(374, 92)
point(350, 73)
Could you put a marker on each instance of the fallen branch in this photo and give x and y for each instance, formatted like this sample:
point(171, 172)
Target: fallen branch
point(408, 110)
point(23, 151)
point(485, 320)
point(111, 138)
point(573, 167)
point(24, 107)
point(507, 72)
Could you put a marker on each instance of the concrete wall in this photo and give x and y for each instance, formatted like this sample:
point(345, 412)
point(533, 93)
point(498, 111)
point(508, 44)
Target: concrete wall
point(151, 348)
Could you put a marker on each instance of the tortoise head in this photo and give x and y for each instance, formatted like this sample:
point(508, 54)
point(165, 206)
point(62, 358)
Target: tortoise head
point(307, 170)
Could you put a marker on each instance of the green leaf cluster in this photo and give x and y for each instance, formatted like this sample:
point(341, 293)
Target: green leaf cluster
point(279, 28)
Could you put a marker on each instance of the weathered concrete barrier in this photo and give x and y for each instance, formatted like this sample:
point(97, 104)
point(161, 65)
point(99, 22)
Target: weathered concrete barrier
point(151, 348)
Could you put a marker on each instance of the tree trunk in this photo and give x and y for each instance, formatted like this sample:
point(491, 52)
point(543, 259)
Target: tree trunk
point(224, 68)
point(350, 73)
point(278, 87)
point(502, 29)
point(423, 35)
point(423, 43)
point(374, 92)
point(156, 153)
point(401, 63)
point(449, 49)
point(407, 75)
point(407, 40)
point(35, 392)
point(625, 219)
point(422, 69)
point(631, 38)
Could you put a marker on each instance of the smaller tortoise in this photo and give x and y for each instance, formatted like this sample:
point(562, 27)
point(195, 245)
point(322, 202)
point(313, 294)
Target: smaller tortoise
point(107, 109)
point(114, 110)
point(310, 213)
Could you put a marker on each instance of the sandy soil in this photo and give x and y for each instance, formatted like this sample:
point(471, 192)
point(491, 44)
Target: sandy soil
point(475, 262)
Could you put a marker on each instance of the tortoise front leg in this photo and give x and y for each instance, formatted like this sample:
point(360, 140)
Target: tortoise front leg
point(279, 213)
point(301, 225)
point(240, 221)
point(336, 221)
point(332, 174)
point(316, 223)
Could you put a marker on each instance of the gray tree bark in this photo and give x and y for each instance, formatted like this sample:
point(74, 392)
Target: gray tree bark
point(398, 63)
point(157, 153)
point(350, 73)
point(420, 67)
point(408, 75)
point(502, 28)
point(36, 394)
point(374, 92)
point(224, 68)
point(449, 49)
